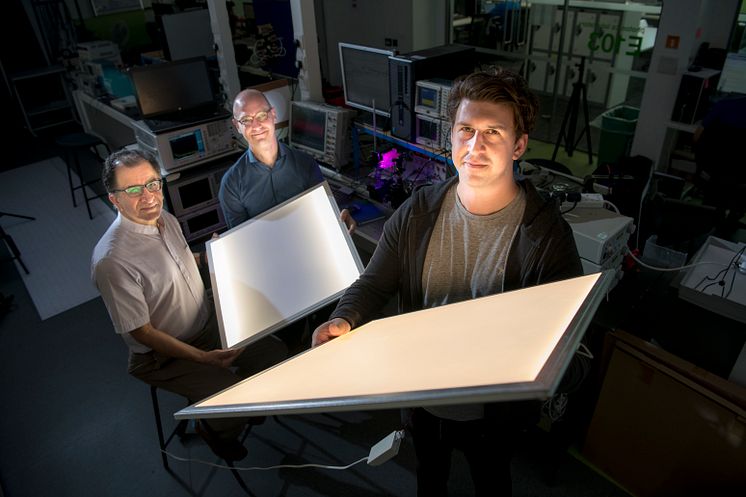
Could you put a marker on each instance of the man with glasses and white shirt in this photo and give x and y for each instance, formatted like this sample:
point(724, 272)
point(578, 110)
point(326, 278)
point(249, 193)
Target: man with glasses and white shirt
point(151, 285)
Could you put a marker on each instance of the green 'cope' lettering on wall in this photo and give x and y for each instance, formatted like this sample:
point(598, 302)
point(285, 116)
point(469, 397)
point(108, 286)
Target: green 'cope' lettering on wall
point(610, 43)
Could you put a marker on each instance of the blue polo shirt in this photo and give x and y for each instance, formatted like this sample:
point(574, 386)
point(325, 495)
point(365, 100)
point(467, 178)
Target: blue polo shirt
point(250, 187)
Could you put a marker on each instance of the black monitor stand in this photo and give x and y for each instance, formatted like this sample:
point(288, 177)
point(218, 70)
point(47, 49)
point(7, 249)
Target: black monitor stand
point(365, 117)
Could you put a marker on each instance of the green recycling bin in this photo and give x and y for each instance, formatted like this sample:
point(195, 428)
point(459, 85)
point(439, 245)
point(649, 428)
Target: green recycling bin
point(617, 129)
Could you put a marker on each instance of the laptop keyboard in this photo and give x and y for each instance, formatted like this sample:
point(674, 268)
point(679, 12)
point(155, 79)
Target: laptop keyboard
point(183, 118)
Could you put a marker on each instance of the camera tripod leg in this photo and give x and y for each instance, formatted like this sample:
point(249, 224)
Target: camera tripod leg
point(570, 119)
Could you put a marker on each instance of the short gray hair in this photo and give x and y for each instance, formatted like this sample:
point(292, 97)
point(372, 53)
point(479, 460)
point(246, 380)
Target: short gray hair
point(125, 158)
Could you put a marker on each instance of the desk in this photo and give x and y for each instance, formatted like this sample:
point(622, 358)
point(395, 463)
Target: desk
point(440, 156)
point(366, 236)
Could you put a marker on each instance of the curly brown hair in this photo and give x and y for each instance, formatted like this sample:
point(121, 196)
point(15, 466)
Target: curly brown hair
point(500, 86)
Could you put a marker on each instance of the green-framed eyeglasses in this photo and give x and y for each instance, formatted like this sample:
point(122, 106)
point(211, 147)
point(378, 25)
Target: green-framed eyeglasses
point(260, 117)
point(138, 190)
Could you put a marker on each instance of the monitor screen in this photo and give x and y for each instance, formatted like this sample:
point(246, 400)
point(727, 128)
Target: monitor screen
point(195, 193)
point(172, 87)
point(428, 129)
point(308, 127)
point(188, 34)
point(427, 97)
point(733, 76)
point(365, 77)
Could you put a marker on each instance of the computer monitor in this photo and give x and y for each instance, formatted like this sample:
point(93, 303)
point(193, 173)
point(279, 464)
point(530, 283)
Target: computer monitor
point(365, 78)
point(172, 87)
point(733, 76)
point(321, 130)
point(188, 34)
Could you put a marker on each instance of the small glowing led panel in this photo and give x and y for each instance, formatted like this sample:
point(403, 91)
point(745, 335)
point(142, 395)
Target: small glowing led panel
point(509, 346)
point(280, 266)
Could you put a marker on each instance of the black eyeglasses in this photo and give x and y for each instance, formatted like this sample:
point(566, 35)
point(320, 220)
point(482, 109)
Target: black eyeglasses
point(138, 190)
point(260, 116)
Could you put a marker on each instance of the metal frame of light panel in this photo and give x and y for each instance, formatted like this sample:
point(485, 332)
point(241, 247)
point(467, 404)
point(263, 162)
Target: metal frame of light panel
point(281, 265)
point(469, 352)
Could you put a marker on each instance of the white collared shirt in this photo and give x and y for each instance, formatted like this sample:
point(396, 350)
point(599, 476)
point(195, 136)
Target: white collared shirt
point(148, 274)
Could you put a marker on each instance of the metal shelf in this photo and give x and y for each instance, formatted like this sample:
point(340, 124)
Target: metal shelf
point(439, 155)
point(34, 112)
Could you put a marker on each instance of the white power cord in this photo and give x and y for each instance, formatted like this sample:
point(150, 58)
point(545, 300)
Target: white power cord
point(613, 207)
point(555, 406)
point(262, 468)
point(584, 351)
point(381, 452)
point(655, 268)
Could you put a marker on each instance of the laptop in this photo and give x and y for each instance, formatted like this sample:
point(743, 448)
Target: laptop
point(172, 95)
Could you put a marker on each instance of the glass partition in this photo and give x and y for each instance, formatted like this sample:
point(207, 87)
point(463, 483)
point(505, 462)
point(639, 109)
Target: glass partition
point(575, 55)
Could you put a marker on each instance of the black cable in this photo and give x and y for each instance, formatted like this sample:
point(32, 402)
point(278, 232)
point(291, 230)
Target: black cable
point(717, 282)
point(713, 278)
point(440, 153)
point(732, 280)
point(719, 278)
point(720, 274)
point(419, 171)
point(568, 210)
point(733, 263)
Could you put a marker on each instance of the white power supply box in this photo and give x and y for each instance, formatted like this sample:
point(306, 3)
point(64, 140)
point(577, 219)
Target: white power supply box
point(600, 234)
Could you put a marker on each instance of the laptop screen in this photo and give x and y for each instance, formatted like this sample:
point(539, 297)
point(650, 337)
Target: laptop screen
point(172, 87)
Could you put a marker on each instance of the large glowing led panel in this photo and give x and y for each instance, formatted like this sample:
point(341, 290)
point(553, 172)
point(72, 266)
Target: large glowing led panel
point(280, 266)
point(509, 346)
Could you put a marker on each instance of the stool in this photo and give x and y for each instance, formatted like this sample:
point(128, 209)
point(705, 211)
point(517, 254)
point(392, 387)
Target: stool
point(74, 144)
point(180, 431)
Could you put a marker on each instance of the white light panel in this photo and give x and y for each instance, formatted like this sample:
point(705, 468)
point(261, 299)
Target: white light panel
point(510, 346)
point(280, 266)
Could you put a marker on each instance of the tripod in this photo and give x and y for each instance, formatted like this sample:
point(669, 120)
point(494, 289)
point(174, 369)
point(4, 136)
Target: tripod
point(579, 92)
point(9, 241)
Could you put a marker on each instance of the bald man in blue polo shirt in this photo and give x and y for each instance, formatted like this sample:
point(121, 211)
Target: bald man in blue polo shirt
point(270, 172)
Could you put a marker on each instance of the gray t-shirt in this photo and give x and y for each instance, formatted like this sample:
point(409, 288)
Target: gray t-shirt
point(466, 259)
point(148, 274)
